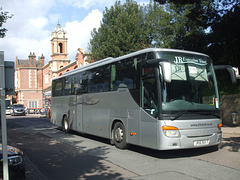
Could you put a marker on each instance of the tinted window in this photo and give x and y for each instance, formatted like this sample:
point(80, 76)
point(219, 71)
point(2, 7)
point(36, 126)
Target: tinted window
point(18, 106)
point(80, 83)
point(67, 85)
point(127, 72)
point(57, 87)
point(98, 79)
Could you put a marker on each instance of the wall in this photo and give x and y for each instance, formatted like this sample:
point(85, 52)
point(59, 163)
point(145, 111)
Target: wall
point(229, 104)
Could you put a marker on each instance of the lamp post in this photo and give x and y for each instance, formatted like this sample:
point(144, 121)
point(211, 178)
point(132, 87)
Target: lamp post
point(3, 117)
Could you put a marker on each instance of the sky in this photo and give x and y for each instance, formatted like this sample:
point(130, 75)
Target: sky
point(29, 30)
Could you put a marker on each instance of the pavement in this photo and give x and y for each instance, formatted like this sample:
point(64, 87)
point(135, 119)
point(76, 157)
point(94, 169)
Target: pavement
point(231, 130)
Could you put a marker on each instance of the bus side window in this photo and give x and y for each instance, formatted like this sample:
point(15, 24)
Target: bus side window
point(54, 88)
point(149, 99)
point(83, 81)
point(146, 56)
point(67, 86)
point(57, 90)
point(72, 85)
point(126, 71)
point(99, 79)
point(75, 85)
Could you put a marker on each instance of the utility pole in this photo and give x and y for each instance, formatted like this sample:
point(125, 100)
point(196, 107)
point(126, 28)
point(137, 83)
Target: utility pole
point(3, 117)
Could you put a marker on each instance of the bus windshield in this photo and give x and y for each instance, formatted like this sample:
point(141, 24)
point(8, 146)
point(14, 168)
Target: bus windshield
point(193, 86)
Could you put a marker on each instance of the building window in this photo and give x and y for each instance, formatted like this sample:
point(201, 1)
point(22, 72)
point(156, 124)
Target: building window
point(46, 78)
point(60, 47)
point(32, 104)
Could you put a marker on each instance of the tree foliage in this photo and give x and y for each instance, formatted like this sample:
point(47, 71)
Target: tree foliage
point(189, 21)
point(211, 27)
point(224, 39)
point(122, 30)
point(206, 26)
point(3, 18)
point(173, 28)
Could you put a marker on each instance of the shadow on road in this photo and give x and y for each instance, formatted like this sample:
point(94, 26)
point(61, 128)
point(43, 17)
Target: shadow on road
point(231, 143)
point(164, 154)
point(58, 160)
point(170, 154)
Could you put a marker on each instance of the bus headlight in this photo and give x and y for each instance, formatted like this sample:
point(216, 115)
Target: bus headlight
point(171, 131)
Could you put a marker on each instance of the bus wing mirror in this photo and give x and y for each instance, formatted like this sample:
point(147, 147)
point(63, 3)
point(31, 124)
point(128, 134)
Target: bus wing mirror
point(166, 67)
point(230, 71)
point(167, 71)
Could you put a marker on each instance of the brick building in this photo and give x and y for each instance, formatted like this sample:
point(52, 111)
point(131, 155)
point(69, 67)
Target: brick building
point(33, 78)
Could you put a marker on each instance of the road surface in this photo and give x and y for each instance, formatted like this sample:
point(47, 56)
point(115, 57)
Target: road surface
point(52, 154)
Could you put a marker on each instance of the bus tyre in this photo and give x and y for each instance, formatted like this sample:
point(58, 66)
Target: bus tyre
point(119, 136)
point(65, 124)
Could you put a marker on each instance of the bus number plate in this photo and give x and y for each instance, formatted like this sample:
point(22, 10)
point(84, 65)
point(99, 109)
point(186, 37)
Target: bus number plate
point(201, 143)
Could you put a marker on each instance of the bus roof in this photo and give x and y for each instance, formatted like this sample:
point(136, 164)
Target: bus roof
point(111, 59)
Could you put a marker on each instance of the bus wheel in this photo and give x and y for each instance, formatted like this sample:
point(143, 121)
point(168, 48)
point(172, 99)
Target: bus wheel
point(65, 124)
point(119, 136)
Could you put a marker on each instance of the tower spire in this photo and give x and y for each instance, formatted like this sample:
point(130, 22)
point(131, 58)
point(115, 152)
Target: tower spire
point(59, 43)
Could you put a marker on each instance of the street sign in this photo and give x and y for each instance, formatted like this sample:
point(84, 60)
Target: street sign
point(9, 77)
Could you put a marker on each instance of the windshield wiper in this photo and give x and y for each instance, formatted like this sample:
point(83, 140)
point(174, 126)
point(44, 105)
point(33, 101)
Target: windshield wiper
point(179, 115)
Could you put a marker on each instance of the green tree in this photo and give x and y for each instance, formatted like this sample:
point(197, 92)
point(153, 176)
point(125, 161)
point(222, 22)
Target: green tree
point(210, 26)
point(224, 47)
point(186, 24)
point(159, 25)
point(3, 18)
point(122, 30)
point(224, 39)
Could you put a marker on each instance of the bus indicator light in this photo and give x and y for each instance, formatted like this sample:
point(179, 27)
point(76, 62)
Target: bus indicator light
point(132, 133)
point(169, 128)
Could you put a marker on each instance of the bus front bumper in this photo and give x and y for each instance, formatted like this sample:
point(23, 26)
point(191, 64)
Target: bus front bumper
point(188, 140)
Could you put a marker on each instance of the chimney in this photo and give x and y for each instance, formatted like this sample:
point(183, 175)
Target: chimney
point(32, 59)
point(42, 58)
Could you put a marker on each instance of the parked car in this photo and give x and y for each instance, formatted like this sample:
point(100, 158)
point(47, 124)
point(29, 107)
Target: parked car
point(16, 164)
point(18, 109)
point(8, 110)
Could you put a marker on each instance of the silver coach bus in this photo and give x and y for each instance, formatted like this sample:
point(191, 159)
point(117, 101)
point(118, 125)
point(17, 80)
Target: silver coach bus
point(157, 98)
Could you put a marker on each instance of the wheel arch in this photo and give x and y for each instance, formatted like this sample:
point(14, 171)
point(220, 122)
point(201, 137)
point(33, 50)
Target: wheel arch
point(112, 127)
point(63, 116)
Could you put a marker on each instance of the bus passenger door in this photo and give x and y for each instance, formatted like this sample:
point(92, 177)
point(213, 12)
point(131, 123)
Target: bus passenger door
point(79, 113)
